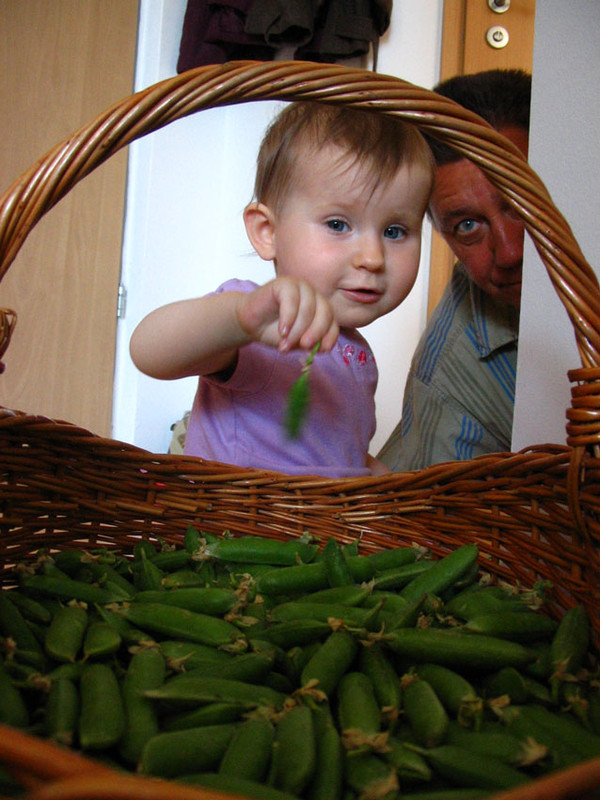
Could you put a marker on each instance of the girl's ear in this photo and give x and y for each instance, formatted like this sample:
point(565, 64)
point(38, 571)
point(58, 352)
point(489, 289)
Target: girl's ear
point(260, 228)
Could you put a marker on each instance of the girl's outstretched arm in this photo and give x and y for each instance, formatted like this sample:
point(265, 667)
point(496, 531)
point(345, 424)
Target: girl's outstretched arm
point(202, 336)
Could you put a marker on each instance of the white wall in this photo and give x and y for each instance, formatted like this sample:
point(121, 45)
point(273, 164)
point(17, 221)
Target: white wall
point(183, 230)
point(564, 150)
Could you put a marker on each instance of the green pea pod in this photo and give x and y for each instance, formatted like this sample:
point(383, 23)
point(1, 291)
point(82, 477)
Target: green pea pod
point(425, 713)
point(101, 639)
point(210, 600)
point(507, 681)
point(210, 714)
point(65, 634)
point(127, 632)
point(374, 662)
point(260, 550)
point(330, 661)
point(566, 726)
point(370, 776)
point(108, 577)
point(192, 539)
point(13, 710)
point(327, 783)
point(397, 577)
point(148, 577)
point(410, 766)
point(456, 649)
point(393, 557)
point(298, 398)
point(249, 751)
point(174, 753)
point(102, 719)
point(457, 694)
point(336, 567)
point(498, 743)
point(189, 655)
point(294, 753)
point(296, 633)
point(354, 595)
point(471, 769)
point(310, 577)
point(30, 609)
point(569, 646)
point(188, 692)
point(561, 750)
point(357, 705)
point(187, 578)
point(170, 560)
point(146, 670)
point(443, 573)
point(69, 589)
point(62, 711)
point(248, 667)
point(519, 626)
point(14, 625)
point(352, 616)
point(172, 621)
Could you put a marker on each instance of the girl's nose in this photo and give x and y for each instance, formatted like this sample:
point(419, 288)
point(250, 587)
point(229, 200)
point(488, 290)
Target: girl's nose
point(369, 253)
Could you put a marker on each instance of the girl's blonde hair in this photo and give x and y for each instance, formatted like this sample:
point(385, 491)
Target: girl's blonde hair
point(378, 141)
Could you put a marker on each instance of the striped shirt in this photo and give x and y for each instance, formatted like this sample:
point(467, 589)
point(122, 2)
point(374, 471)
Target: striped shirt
point(460, 392)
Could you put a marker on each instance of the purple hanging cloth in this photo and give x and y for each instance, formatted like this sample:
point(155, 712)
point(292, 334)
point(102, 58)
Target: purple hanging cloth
point(214, 33)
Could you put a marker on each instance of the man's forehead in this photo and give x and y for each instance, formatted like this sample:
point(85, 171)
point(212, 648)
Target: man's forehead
point(461, 187)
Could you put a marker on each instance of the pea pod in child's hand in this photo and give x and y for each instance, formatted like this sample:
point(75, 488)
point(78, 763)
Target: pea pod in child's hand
point(298, 398)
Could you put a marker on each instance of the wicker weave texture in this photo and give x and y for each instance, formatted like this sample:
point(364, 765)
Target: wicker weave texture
point(533, 514)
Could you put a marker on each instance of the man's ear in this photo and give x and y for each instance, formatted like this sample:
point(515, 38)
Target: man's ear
point(260, 228)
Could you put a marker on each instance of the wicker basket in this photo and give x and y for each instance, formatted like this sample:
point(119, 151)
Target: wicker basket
point(534, 514)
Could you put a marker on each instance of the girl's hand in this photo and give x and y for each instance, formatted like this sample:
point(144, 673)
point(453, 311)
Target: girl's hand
point(288, 313)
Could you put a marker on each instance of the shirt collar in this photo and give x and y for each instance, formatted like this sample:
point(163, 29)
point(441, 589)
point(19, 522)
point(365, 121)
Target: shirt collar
point(494, 325)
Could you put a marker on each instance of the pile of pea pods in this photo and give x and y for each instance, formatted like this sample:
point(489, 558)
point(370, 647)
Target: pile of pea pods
point(297, 669)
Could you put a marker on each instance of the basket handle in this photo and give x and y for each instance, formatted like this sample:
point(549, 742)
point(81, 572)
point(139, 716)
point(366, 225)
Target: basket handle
point(52, 177)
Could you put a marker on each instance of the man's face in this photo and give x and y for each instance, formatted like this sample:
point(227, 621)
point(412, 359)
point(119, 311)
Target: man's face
point(480, 226)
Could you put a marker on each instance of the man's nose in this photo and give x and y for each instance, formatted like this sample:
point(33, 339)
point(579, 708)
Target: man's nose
point(507, 242)
point(369, 253)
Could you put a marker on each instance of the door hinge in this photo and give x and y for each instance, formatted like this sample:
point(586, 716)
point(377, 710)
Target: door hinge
point(121, 301)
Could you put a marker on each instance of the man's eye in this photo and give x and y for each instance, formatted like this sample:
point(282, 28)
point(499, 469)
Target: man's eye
point(337, 225)
point(394, 232)
point(466, 226)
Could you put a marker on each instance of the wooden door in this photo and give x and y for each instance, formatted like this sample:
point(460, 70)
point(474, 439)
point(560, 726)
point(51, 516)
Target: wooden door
point(467, 27)
point(63, 62)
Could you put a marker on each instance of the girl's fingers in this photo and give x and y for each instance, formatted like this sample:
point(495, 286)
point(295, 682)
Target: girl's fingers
point(322, 328)
point(314, 321)
point(288, 313)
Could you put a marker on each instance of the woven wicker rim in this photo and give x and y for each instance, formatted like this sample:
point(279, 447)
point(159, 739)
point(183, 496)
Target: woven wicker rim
point(53, 175)
point(347, 504)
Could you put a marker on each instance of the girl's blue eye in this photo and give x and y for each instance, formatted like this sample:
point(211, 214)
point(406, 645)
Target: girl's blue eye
point(337, 225)
point(394, 232)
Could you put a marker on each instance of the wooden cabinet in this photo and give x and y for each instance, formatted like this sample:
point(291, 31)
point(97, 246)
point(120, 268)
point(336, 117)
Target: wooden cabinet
point(63, 62)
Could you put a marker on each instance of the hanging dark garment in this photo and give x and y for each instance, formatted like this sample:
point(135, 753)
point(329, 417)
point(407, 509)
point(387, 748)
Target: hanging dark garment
point(319, 30)
point(214, 33)
point(347, 29)
point(283, 22)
